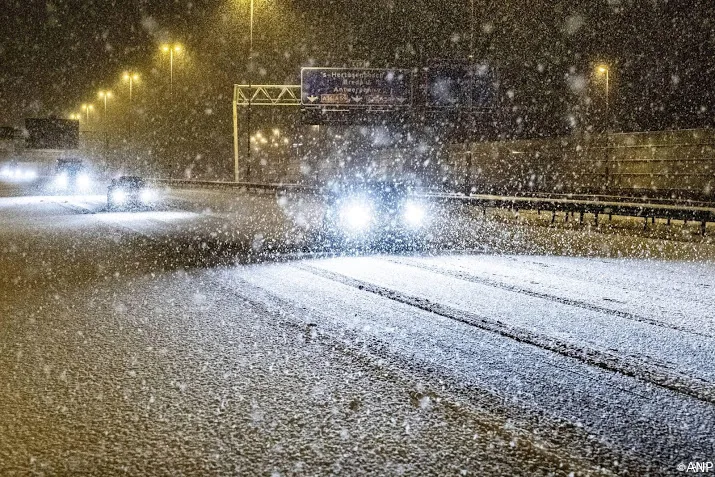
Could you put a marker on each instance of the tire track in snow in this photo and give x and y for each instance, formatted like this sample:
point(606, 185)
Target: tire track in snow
point(651, 373)
point(310, 321)
point(468, 277)
point(262, 297)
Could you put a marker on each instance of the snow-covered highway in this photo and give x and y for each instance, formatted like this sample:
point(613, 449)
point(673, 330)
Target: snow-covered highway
point(209, 335)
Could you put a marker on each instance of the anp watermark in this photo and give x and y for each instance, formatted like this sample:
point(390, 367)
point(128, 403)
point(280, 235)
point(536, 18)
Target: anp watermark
point(696, 467)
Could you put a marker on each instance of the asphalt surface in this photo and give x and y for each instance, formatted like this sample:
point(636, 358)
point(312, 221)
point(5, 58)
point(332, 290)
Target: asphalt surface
point(211, 335)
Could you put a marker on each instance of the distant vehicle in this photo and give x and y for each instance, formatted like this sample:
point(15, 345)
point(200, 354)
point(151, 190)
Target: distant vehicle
point(130, 192)
point(382, 213)
point(71, 176)
point(15, 171)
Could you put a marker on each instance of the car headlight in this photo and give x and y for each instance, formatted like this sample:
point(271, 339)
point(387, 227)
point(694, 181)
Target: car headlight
point(30, 175)
point(83, 181)
point(147, 195)
point(119, 196)
point(61, 180)
point(356, 215)
point(414, 214)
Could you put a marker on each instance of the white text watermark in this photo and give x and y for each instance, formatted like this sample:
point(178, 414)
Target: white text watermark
point(697, 467)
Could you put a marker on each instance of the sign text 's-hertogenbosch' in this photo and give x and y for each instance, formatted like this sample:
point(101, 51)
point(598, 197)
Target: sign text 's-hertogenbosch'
point(364, 87)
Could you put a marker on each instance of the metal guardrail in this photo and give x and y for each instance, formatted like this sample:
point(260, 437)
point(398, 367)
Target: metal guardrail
point(629, 196)
point(254, 186)
point(592, 205)
point(669, 212)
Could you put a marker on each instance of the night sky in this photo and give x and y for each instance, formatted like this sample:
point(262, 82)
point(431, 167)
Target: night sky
point(56, 54)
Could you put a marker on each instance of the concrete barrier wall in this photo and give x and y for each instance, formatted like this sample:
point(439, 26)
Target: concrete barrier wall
point(662, 163)
point(659, 164)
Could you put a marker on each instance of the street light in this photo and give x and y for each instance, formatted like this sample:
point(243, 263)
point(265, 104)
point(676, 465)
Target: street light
point(171, 49)
point(250, 75)
point(131, 78)
point(250, 52)
point(605, 70)
point(236, 173)
point(87, 108)
point(105, 95)
point(471, 31)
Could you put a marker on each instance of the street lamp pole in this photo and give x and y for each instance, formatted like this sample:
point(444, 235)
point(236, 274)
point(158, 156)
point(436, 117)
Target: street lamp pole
point(105, 95)
point(87, 108)
point(171, 72)
point(130, 77)
point(250, 92)
point(604, 69)
point(471, 31)
point(251, 34)
point(608, 102)
point(171, 49)
point(471, 55)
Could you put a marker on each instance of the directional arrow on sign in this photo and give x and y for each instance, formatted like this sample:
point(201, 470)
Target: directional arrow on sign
point(355, 87)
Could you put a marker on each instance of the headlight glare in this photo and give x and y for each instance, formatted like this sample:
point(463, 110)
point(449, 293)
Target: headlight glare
point(147, 195)
point(119, 196)
point(61, 180)
point(83, 181)
point(414, 214)
point(356, 215)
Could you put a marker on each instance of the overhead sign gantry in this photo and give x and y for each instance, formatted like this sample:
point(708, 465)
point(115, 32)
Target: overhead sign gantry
point(355, 87)
point(336, 95)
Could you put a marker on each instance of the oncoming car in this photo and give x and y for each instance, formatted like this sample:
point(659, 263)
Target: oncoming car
point(71, 176)
point(381, 214)
point(129, 192)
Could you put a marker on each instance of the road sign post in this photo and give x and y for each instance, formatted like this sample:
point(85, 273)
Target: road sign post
point(259, 95)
